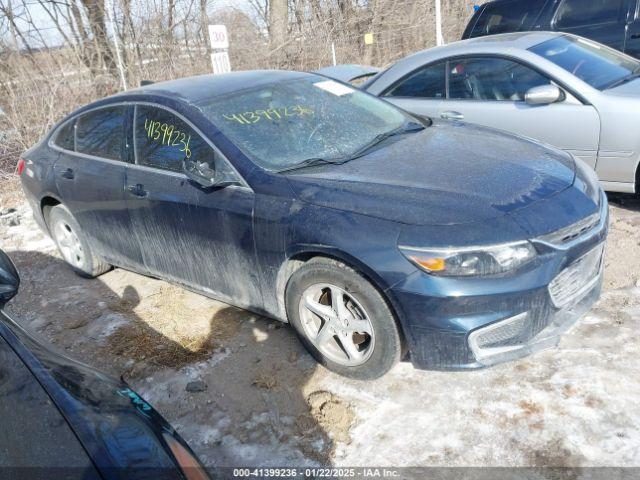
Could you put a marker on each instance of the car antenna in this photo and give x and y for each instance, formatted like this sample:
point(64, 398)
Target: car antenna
point(146, 82)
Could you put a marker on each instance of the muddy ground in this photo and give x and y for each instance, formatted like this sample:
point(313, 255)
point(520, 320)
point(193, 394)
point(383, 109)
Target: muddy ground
point(242, 391)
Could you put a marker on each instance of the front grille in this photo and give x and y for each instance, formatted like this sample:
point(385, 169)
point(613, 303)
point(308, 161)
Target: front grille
point(570, 233)
point(577, 279)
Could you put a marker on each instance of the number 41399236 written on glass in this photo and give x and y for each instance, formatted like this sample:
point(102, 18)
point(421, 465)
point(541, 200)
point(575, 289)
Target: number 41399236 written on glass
point(168, 135)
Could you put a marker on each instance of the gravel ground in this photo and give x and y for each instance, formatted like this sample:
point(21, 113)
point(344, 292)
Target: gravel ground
point(242, 391)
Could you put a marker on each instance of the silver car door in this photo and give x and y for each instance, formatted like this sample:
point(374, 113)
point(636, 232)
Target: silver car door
point(490, 91)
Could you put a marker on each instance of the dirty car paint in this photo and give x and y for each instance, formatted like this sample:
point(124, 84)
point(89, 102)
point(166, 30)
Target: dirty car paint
point(446, 186)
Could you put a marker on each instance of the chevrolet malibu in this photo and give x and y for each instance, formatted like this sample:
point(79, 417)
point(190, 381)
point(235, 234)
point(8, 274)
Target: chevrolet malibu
point(376, 234)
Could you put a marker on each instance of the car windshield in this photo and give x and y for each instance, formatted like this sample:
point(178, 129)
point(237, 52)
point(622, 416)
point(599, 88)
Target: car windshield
point(285, 124)
point(597, 65)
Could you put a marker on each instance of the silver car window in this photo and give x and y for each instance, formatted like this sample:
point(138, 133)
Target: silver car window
point(491, 79)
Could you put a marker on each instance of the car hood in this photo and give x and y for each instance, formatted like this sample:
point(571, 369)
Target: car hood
point(630, 89)
point(445, 174)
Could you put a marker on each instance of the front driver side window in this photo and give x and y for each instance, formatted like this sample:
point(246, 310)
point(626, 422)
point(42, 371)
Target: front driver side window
point(491, 79)
point(163, 140)
point(428, 82)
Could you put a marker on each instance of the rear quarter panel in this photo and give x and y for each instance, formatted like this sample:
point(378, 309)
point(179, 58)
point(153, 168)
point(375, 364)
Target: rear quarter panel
point(37, 179)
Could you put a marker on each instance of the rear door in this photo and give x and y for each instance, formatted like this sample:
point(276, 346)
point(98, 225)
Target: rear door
point(505, 16)
point(200, 237)
point(601, 20)
point(420, 92)
point(490, 91)
point(89, 176)
point(632, 45)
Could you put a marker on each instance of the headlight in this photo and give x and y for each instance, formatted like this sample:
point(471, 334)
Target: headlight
point(471, 261)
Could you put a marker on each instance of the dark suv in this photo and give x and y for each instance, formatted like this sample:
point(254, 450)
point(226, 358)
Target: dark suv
point(615, 23)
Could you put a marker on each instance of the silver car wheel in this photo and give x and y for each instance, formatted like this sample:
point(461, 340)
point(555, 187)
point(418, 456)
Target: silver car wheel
point(68, 243)
point(338, 326)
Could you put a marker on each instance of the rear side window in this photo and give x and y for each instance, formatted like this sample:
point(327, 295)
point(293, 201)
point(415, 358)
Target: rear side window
point(428, 82)
point(578, 13)
point(101, 133)
point(65, 137)
point(163, 140)
point(503, 17)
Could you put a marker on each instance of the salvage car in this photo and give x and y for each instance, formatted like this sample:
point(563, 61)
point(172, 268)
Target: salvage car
point(559, 89)
point(373, 232)
point(63, 419)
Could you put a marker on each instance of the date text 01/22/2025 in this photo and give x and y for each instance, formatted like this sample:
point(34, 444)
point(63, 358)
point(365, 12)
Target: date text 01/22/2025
point(363, 472)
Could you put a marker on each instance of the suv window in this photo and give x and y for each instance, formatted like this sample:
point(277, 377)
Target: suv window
point(101, 133)
point(65, 138)
point(511, 16)
point(163, 140)
point(578, 13)
point(428, 82)
point(492, 79)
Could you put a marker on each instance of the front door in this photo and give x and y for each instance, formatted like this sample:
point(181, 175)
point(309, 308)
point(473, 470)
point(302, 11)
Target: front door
point(199, 237)
point(490, 91)
point(89, 176)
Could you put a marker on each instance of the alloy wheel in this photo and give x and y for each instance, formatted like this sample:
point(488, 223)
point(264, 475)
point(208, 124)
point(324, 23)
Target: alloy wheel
point(69, 243)
point(337, 324)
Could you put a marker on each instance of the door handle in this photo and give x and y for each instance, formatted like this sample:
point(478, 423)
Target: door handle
point(137, 190)
point(67, 173)
point(452, 115)
point(635, 36)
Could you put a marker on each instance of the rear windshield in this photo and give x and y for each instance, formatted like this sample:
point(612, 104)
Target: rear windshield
point(599, 66)
point(511, 16)
point(286, 123)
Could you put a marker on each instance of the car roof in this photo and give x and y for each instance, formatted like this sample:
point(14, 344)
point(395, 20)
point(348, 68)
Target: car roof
point(519, 40)
point(199, 88)
point(504, 43)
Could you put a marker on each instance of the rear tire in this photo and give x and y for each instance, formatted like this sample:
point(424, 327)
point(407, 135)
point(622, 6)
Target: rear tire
point(343, 320)
point(72, 243)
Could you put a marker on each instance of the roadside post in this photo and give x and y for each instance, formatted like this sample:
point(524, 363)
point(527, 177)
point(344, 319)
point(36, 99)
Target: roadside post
point(219, 40)
point(439, 37)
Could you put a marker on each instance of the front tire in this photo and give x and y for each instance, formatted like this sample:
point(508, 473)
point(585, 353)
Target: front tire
point(72, 243)
point(343, 320)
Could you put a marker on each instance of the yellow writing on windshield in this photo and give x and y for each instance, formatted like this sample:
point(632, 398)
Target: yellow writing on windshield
point(248, 118)
point(169, 135)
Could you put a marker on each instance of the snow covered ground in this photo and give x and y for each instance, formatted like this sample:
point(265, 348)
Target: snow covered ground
point(242, 391)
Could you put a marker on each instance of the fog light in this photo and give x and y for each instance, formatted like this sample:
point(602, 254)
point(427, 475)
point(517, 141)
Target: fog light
point(500, 337)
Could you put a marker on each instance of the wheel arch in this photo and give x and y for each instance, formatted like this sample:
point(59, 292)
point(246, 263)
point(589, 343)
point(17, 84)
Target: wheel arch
point(47, 202)
point(298, 256)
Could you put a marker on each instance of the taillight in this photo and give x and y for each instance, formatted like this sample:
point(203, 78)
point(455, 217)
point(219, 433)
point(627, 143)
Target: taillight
point(21, 166)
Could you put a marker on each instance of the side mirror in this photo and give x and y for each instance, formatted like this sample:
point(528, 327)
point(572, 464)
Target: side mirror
point(9, 279)
point(205, 176)
point(543, 95)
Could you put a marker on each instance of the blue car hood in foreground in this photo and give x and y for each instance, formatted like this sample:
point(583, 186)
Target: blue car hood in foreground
point(444, 174)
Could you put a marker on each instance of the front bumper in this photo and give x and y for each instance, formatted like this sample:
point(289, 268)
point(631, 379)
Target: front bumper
point(467, 324)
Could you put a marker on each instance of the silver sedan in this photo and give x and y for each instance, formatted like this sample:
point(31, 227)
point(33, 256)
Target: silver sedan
point(559, 89)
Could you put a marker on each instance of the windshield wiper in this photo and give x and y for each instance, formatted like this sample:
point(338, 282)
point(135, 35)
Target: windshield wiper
point(411, 127)
point(312, 162)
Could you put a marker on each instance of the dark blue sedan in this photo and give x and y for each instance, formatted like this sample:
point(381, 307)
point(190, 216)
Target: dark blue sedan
point(373, 232)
